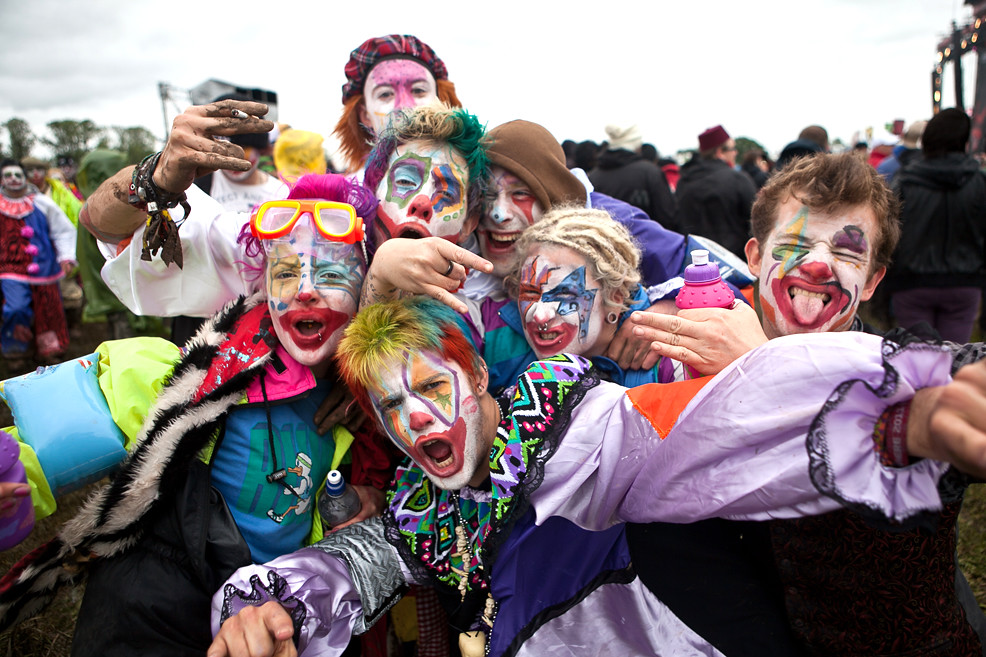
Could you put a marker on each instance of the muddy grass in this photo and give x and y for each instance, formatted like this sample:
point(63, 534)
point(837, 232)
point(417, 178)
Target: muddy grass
point(50, 634)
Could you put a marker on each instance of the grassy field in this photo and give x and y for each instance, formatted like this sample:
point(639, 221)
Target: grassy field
point(50, 634)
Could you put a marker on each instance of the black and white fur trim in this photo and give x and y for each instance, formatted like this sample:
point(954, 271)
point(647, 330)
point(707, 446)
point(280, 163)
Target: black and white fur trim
point(113, 519)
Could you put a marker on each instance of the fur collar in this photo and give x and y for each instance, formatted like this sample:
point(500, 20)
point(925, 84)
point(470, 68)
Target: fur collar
point(211, 376)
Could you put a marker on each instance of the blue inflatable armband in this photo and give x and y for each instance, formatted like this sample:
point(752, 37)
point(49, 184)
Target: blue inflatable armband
point(61, 413)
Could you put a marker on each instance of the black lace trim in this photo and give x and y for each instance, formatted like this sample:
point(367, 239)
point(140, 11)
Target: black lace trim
point(820, 470)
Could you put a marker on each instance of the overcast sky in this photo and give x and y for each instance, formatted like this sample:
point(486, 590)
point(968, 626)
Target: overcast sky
point(763, 69)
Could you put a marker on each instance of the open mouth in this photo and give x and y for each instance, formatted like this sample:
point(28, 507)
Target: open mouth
point(440, 452)
point(809, 305)
point(310, 328)
point(501, 242)
point(410, 234)
point(551, 340)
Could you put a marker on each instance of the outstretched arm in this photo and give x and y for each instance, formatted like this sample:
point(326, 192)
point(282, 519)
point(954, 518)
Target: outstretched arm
point(192, 151)
point(432, 266)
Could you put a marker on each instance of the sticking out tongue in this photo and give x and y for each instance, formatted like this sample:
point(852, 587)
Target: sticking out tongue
point(437, 450)
point(807, 306)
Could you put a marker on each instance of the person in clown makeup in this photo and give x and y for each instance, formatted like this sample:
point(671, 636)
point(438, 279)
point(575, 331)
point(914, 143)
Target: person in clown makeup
point(385, 75)
point(824, 230)
point(574, 282)
point(229, 443)
point(514, 506)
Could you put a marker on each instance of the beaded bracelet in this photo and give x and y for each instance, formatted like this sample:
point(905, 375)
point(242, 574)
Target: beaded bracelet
point(161, 232)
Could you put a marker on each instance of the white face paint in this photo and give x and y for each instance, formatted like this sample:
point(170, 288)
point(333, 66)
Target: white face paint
point(815, 268)
point(312, 290)
point(13, 180)
point(424, 194)
point(395, 84)
point(428, 408)
point(514, 209)
point(561, 303)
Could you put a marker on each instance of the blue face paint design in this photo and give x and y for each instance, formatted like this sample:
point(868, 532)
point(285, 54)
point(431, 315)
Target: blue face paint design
point(448, 192)
point(573, 297)
point(407, 175)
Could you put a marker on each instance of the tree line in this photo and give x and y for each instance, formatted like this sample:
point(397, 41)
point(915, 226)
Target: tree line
point(76, 138)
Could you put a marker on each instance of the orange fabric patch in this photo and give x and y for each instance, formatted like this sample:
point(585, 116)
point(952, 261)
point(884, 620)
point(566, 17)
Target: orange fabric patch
point(662, 403)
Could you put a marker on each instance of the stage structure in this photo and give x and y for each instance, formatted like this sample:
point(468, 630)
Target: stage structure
point(962, 40)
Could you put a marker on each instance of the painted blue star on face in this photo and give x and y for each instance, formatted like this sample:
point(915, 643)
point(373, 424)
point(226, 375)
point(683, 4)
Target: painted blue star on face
point(572, 296)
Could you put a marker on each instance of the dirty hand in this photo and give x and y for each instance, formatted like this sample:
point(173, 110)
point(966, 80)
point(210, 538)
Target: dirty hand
point(192, 149)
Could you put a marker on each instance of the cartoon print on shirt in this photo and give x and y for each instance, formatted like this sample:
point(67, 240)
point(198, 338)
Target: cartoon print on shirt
point(302, 490)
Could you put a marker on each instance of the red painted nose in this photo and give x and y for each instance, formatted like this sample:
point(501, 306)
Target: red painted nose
point(420, 208)
point(817, 270)
point(419, 420)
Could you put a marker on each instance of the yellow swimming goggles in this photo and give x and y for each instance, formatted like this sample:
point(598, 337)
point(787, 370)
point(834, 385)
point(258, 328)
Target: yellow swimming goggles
point(335, 221)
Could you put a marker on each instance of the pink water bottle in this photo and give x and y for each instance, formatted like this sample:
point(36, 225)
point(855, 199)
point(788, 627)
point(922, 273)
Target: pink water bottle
point(17, 522)
point(704, 287)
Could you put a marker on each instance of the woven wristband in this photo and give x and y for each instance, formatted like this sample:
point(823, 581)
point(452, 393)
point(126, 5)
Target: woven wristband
point(890, 435)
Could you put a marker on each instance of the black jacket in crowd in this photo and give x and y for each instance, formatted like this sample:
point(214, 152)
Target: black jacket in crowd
point(943, 216)
point(714, 201)
point(624, 175)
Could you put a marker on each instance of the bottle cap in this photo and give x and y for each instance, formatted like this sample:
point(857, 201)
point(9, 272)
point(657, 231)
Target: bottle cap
point(701, 271)
point(334, 483)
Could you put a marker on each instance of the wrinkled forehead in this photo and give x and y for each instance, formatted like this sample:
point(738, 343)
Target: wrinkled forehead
point(396, 72)
point(305, 241)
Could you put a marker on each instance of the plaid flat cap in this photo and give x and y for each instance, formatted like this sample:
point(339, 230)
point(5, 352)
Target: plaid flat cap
point(376, 49)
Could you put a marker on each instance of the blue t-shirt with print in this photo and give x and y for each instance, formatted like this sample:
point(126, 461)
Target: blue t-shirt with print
point(274, 518)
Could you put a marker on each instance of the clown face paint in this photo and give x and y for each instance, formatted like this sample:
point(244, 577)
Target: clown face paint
point(815, 268)
point(13, 181)
point(423, 194)
point(560, 303)
point(429, 410)
point(395, 84)
point(251, 154)
point(312, 291)
point(514, 209)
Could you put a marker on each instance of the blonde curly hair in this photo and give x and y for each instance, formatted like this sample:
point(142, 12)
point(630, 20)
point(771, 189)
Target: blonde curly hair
point(611, 254)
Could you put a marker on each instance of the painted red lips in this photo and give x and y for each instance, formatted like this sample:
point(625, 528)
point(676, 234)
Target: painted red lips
point(309, 328)
point(809, 305)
